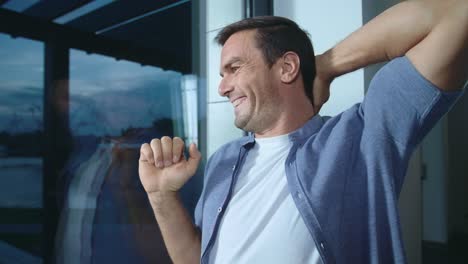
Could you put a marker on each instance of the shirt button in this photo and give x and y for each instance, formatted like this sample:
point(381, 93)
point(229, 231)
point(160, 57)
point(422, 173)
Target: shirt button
point(321, 245)
point(220, 209)
point(234, 167)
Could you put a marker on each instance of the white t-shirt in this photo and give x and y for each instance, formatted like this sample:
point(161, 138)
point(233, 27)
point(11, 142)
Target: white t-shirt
point(261, 223)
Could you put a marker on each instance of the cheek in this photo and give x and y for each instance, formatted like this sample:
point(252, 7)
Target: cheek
point(254, 84)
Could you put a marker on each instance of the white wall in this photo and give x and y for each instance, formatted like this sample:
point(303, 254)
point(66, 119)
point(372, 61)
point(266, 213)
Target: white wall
point(220, 113)
point(328, 22)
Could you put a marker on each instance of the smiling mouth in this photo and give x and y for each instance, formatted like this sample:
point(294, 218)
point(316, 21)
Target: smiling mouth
point(238, 101)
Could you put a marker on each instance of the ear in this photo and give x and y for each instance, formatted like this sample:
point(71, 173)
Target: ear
point(290, 67)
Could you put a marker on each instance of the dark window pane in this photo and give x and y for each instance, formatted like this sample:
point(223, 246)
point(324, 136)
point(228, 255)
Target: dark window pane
point(21, 131)
point(115, 106)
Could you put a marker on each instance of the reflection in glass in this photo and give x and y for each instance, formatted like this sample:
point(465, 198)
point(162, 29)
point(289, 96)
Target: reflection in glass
point(115, 106)
point(190, 101)
point(21, 149)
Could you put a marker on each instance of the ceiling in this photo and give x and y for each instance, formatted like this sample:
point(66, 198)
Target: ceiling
point(148, 32)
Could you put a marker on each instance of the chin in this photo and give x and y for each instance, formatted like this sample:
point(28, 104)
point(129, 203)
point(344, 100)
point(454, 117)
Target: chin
point(241, 123)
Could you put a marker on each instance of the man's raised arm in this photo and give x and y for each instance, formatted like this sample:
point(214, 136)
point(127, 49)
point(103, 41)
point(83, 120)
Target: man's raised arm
point(432, 33)
point(163, 171)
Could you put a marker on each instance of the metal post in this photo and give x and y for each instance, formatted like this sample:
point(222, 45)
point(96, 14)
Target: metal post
point(253, 8)
point(56, 137)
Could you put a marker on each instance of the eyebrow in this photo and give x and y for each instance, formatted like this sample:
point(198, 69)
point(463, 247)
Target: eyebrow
point(230, 62)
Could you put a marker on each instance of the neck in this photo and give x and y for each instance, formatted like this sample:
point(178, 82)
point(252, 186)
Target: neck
point(293, 115)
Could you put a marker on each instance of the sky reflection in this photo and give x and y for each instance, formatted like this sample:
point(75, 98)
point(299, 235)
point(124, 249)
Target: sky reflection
point(106, 96)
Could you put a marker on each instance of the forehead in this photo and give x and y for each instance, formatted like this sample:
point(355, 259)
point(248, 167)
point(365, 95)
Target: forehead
point(240, 45)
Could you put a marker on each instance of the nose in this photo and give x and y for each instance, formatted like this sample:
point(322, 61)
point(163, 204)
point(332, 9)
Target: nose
point(225, 87)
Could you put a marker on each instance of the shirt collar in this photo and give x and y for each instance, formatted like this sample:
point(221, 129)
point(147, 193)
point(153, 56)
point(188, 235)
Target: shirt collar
point(311, 127)
point(249, 139)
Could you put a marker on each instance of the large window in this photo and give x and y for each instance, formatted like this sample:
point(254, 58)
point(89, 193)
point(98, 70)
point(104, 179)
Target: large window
point(21, 148)
point(115, 106)
point(76, 103)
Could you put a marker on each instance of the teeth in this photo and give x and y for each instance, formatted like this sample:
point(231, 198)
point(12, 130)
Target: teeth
point(237, 101)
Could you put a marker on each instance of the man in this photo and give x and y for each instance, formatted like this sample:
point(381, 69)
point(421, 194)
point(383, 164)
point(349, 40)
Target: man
point(301, 188)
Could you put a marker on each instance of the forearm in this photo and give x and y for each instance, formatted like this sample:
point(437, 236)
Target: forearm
point(389, 35)
point(181, 237)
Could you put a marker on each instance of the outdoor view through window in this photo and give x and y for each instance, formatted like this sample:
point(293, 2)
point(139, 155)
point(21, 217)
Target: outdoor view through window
point(69, 146)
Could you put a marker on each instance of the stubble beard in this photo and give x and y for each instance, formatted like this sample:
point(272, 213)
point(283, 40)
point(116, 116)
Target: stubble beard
point(257, 122)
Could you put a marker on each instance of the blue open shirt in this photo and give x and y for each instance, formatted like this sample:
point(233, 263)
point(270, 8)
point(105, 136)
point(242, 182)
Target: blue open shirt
point(344, 173)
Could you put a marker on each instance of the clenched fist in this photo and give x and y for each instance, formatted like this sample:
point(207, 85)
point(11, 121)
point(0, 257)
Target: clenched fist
point(163, 167)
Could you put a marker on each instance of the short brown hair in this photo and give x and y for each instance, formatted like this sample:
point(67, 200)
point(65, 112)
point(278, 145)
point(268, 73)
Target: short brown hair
point(274, 37)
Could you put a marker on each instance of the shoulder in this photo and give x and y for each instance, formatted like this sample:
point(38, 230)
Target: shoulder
point(342, 126)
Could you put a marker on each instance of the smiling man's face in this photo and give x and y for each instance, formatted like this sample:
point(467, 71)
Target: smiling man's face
point(249, 83)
